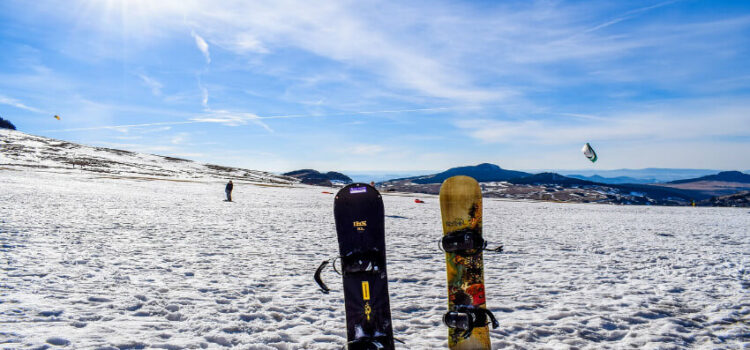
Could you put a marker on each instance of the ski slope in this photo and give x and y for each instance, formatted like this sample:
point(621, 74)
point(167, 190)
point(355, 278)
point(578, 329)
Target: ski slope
point(19, 150)
point(96, 262)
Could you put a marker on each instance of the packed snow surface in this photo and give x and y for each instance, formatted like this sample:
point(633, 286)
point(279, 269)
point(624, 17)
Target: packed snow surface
point(104, 263)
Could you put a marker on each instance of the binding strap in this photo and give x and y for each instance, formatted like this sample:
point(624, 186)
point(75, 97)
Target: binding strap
point(465, 242)
point(468, 317)
point(318, 280)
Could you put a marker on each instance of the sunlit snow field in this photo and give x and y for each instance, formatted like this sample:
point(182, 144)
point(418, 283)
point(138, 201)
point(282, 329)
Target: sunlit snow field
point(95, 263)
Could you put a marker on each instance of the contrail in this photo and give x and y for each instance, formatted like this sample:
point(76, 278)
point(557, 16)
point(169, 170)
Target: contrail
point(121, 126)
point(364, 112)
point(250, 117)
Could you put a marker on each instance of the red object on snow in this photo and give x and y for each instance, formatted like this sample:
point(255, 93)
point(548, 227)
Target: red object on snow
point(326, 192)
point(418, 201)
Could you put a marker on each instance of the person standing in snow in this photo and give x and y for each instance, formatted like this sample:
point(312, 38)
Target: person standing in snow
point(228, 190)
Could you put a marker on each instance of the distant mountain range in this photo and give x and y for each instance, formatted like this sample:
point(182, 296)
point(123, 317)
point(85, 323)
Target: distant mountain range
point(615, 180)
point(646, 175)
point(721, 184)
point(484, 172)
point(550, 178)
point(380, 176)
point(500, 182)
point(314, 177)
point(724, 176)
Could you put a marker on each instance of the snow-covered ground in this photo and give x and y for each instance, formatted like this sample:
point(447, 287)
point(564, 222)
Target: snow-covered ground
point(19, 150)
point(102, 263)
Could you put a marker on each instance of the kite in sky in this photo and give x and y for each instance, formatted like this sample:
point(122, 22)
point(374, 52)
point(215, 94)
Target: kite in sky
point(589, 152)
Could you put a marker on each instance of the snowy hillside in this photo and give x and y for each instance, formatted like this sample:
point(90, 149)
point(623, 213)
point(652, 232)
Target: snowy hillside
point(19, 150)
point(107, 263)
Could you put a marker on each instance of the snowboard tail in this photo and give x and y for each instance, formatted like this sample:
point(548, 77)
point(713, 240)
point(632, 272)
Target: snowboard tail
point(360, 220)
point(461, 209)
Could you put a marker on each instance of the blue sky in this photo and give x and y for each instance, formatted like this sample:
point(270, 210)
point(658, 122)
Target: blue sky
point(368, 85)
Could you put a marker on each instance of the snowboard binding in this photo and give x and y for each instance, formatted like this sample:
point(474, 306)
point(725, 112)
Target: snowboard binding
point(465, 242)
point(368, 261)
point(365, 343)
point(370, 342)
point(358, 262)
point(468, 317)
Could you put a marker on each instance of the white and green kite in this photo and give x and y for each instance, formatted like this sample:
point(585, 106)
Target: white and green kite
point(589, 152)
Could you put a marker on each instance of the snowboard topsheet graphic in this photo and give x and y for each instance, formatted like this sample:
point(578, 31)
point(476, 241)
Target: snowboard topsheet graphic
point(467, 317)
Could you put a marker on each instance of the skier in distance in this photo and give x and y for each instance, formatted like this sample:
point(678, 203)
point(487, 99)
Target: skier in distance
point(228, 190)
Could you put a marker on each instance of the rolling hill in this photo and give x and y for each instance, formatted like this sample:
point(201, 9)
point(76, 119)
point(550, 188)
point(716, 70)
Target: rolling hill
point(19, 150)
point(723, 183)
point(484, 172)
point(724, 176)
point(314, 177)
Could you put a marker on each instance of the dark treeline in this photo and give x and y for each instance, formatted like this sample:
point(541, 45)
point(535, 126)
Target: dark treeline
point(6, 124)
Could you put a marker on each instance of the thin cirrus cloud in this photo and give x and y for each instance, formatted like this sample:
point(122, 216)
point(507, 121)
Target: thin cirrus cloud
point(339, 32)
point(664, 124)
point(204, 96)
point(152, 84)
point(180, 138)
point(363, 149)
point(230, 118)
point(202, 46)
point(432, 61)
point(18, 104)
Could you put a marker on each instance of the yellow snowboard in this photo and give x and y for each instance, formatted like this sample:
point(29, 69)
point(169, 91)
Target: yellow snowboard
point(461, 208)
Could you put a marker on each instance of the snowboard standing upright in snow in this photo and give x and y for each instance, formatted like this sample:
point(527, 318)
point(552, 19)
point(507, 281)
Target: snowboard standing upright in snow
point(467, 316)
point(358, 210)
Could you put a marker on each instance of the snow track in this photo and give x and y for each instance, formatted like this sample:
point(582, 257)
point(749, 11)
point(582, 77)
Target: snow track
point(101, 263)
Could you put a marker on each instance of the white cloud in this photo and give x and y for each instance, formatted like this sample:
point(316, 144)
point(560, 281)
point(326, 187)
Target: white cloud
point(662, 123)
point(366, 149)
point(465, 53)
point(202, 46)
point(125, 138)
point(204, 97)
point(246, 42)
point(341, 32)
point(18, 104)
point(152, 84)
point(179, 138)
point(153, 130)
point(230, 118)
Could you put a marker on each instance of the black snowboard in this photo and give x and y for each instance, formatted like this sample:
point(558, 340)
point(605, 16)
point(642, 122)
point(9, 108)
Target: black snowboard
point(358, 209)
